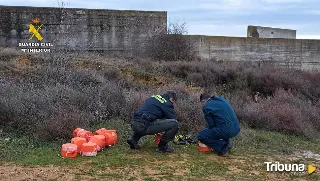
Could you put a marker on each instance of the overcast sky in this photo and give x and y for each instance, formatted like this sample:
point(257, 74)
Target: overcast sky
point(213, 17)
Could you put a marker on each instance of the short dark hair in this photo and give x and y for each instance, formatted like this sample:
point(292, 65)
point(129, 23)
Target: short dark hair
point(172, 94)
point(204, 96)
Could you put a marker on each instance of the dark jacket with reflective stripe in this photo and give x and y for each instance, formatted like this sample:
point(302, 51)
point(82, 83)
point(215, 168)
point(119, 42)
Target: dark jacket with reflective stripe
point(219, 114)
point(156, 107)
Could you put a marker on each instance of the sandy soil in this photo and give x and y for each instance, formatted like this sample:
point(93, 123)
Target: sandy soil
point(10, 172)
point(13, 172)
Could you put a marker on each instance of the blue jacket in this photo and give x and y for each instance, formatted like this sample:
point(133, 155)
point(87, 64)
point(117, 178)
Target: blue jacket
point(219, 114)
point(156, 107)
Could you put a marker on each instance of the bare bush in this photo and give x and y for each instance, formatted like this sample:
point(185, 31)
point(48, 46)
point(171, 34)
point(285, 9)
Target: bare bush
point(171, 45)
point(189, 114)
point(283, 112)
point(51, 103)
point(134, 100)
point(49, 100)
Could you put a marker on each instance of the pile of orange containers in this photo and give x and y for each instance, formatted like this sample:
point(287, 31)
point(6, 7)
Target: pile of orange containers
point(86, 143)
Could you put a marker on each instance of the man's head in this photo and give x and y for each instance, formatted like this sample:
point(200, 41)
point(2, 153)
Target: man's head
point(172, 95)
point(204, 97)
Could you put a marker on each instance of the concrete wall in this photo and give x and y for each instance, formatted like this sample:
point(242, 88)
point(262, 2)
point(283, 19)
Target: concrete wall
point(268, 32)
point(301, 54)
point(126, 31)
point(81, 29)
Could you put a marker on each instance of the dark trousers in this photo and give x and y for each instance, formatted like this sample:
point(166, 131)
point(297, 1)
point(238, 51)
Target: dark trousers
point(141, 128)
point(216, 138)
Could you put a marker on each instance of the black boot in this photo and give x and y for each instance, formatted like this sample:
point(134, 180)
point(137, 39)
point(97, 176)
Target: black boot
point(133, 141)
point(164, 147)
point(224, 152)
point(230, 146)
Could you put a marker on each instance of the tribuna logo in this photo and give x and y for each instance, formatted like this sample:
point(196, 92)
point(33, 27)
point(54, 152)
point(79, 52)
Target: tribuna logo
point(279, 167)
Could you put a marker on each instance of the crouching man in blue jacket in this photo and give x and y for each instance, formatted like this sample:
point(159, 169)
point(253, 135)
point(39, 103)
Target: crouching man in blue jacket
point(156, 115)
point(222, 123)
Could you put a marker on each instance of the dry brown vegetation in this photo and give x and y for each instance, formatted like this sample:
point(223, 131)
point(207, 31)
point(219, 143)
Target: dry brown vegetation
point(50, 96)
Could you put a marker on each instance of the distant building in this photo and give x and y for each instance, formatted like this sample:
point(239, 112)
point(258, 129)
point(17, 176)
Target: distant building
point(268, 32)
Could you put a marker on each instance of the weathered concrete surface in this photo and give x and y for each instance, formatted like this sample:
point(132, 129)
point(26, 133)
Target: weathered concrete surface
point(268, 32)
point(80, 29)
point(126, 31)
point(291, 53)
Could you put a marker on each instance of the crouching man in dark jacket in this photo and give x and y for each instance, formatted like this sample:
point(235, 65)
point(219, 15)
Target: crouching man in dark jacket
point(156, 115)
point(222, 122)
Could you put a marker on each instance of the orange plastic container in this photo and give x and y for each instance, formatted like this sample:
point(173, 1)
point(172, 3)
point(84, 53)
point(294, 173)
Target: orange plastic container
point(89, 149)
point(110, 136)
point(75, 132)
point(69, 150)
point(99, 140)
point(84, 134)
point(109, 139)
point(203, 148)
point(157, 138)
point(79, 142)
point(102, 138)
point(114, 135)
point(100, 131)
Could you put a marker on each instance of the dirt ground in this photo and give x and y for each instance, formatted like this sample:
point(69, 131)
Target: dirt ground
point(13, 172)
point(16, 173)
